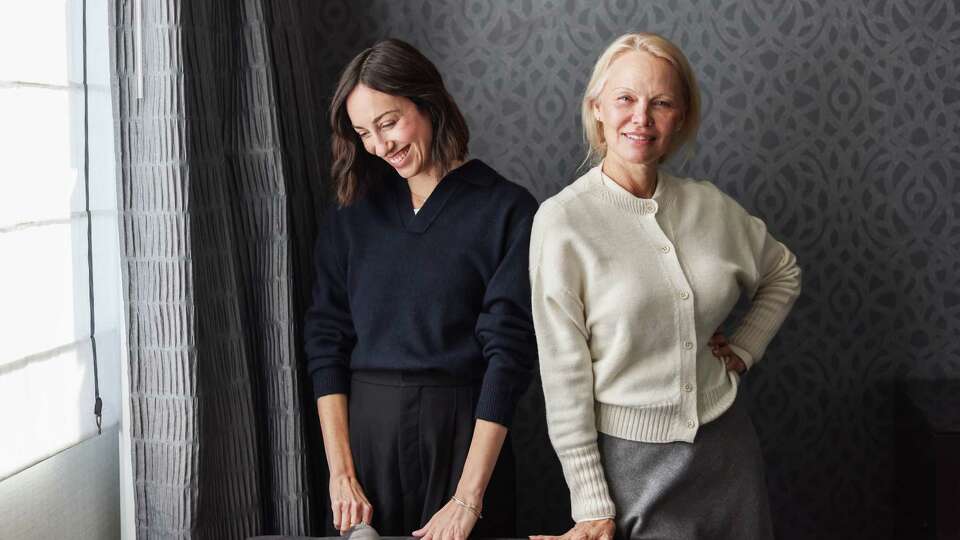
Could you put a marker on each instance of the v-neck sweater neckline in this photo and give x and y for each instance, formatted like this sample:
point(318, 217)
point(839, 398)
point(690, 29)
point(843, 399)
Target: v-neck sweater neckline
point(419, 221)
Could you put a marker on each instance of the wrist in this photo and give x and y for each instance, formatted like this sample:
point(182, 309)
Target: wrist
point(472, 495)
point(473, 509)
point(592, 519)
point(342, 475)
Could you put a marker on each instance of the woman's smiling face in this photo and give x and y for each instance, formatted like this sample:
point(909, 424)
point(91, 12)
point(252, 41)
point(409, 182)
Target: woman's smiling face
point(640, 108)
point(394, 129)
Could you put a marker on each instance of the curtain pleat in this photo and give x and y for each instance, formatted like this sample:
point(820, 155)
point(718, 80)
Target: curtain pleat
point(219, 191)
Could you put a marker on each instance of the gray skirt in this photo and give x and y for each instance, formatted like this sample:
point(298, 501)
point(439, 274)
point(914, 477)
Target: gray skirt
point(713, 488)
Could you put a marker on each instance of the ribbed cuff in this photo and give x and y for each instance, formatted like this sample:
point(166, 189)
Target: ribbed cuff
point(757, 329)
point(589, 494)
point(330, 380)
point(744, 355)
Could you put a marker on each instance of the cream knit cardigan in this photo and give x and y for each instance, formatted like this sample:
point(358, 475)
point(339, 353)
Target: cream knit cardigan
point(626, 294)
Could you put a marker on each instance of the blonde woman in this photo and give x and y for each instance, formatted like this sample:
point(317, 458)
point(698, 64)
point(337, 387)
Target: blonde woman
point(632, 269)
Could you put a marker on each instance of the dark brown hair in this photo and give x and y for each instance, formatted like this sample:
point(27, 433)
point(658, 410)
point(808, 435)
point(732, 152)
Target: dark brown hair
point(397, 68)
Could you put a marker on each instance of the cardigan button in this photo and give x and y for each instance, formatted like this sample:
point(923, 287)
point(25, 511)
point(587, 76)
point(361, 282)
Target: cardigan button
point(691, 424)
point(688, 387)
point(684, 295)
point(665, 249)
point(688, 345)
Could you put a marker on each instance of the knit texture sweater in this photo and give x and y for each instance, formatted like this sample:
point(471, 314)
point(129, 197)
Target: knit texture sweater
point(444, 290)
point(626, 294)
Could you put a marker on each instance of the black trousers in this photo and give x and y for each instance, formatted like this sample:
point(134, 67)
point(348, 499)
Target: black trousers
point(409, 434)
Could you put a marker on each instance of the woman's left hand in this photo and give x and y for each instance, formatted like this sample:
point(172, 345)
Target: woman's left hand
point(721, 349)
point(452, 522)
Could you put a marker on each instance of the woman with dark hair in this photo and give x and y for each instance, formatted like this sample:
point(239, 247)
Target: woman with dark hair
point(421, 309)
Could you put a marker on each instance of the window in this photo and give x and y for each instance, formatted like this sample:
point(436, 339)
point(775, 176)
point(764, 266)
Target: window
point(59, 270)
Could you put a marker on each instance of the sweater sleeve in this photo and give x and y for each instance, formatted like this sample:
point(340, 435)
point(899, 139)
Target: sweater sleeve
point(329, 334)
point(773, 293)
point(566, 367)
point(504, 326)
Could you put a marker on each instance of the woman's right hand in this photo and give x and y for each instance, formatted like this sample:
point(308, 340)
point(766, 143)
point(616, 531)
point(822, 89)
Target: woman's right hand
point(350, 506)
point(600, 529)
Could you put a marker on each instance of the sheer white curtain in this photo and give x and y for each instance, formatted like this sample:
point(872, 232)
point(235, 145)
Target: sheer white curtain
point(58, 232)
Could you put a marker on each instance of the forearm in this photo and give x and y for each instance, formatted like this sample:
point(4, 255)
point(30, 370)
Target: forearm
point(334, 425)
point(776, 293)
point(568, 387)
point(485, 447)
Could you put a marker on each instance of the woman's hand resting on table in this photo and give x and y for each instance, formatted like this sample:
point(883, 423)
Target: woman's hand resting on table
point(350, 506)
point(452, 522)
point(601, 529)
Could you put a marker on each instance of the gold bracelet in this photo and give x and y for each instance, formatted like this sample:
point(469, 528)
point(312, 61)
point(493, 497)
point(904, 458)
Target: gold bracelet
point(473, 509)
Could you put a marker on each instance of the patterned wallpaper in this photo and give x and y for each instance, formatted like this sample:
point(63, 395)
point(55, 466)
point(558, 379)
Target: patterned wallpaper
point(834, 121)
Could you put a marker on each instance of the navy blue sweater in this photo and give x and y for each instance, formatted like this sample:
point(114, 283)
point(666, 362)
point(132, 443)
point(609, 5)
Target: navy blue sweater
point(445, 290)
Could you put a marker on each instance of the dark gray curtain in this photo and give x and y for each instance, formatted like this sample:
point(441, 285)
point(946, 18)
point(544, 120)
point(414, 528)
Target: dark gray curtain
point(219, 193)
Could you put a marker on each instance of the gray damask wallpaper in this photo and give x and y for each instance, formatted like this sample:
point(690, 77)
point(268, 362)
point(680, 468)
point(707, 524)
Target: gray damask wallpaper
point(835, 121)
